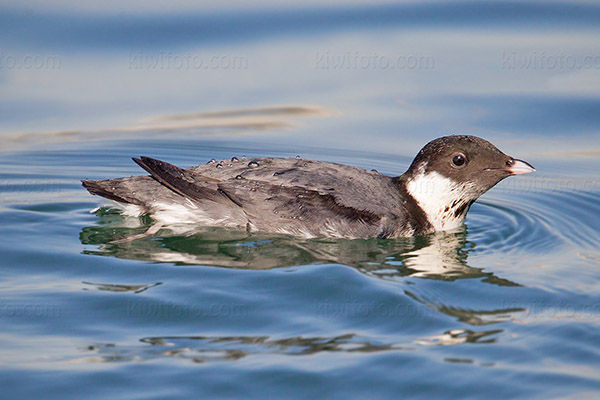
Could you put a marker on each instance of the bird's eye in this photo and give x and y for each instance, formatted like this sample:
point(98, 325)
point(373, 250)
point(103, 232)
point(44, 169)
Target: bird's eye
point(459, 160)
point(510, 162)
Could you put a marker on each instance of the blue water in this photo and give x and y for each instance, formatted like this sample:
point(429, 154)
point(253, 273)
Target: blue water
point(508, 306)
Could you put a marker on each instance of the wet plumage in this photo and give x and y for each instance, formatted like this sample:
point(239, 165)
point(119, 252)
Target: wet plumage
point(314, 198)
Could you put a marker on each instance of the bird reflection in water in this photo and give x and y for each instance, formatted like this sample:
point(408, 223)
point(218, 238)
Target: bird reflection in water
point(440, 256)
point(436, 257)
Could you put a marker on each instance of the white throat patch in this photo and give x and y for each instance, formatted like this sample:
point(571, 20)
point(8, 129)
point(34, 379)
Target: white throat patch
point(444, 201)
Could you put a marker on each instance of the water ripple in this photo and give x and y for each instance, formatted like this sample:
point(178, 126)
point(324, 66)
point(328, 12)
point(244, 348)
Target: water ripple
point(203, 349)
point(538, 222)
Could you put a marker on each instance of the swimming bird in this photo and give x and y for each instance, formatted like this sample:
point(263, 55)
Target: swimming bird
point(312, 199)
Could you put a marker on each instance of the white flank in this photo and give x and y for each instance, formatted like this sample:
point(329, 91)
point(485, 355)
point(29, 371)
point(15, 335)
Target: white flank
point(180, 213)
point(191, 214)
point(439, 197)
point(129, 210)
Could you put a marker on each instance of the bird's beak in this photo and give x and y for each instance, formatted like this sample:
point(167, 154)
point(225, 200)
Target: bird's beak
point(520, 167)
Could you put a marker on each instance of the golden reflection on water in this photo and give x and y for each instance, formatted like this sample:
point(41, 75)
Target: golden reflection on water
point(229, 122)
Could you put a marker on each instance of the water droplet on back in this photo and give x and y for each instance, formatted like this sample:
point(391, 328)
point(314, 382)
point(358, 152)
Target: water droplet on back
point(219, 165)
point(239, 177)
point(212, 161)
point(252, 164)
point(234, 159)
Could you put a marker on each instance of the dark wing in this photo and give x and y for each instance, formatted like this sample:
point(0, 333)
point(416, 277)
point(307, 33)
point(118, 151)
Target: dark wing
point(184, 182)
point(298, 211)
point(349, 186)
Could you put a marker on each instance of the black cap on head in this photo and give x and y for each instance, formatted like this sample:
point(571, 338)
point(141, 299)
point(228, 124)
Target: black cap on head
point(467, 159)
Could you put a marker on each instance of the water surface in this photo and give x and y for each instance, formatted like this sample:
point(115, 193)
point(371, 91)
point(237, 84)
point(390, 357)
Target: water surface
point(508, 305)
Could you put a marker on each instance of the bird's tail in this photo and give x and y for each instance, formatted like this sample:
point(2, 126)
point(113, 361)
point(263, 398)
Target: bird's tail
point(110, 189)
